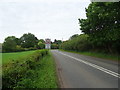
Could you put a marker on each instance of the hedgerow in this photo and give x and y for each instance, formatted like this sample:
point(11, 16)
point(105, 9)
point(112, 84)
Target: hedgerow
point(16, 73)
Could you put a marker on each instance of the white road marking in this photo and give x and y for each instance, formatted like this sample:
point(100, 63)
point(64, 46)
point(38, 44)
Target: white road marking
point(95, 66)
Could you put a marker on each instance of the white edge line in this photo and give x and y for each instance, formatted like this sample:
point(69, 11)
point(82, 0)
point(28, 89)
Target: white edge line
point(95, 66)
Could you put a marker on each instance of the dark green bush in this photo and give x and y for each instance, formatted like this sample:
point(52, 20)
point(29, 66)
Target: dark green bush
point(15, 74)
point(54, 46)
point(19, 48)
point(79, 43)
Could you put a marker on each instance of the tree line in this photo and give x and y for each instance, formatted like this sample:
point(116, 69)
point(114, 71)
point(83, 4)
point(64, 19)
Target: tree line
point(26, 42)
point(101, 29)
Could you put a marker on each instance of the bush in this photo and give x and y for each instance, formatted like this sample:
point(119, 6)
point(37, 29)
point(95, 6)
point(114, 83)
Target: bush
point(40, 45)
point(16, 72)
point(19, 48)
point(9, 44)
point(54, 46)
point(80, 43)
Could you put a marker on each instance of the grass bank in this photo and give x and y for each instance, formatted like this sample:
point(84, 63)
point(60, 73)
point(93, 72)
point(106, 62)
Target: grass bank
point(96, 54)
point(36, 71)
point(46, 73)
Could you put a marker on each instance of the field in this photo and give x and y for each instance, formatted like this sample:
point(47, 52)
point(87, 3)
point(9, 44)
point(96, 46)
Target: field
point(7, 57)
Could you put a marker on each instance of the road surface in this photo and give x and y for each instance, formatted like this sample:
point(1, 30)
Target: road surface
point(79, 71)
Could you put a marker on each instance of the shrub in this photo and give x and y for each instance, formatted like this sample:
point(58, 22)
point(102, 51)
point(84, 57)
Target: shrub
point(79, 43)
point(54, 46)
point(15, 73)
point(19, 48)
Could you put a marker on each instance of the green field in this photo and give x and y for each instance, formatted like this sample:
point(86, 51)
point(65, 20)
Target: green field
point(7, 57)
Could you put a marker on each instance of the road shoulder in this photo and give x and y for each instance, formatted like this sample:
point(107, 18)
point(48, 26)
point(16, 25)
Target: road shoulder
point(58, 73)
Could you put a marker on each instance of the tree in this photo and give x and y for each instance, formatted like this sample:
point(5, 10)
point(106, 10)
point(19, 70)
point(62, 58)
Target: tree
point(41, 45)
point(102, 25)
point(9, 44)
point(28, 40)
point(54, 46)
point(17, 40)
point(79, 43)
point(42, 40)
point(74, 36)
point(57, 41)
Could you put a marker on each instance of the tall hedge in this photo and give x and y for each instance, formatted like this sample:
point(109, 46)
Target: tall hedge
point(80, 43)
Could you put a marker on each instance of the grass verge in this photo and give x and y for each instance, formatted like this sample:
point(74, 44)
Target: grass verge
point(96, 54)
point(47, 73)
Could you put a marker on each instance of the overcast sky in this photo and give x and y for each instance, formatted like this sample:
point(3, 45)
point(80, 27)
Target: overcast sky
point(54, 19)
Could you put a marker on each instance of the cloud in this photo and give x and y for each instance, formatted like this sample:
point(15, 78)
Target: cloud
point(46, 19)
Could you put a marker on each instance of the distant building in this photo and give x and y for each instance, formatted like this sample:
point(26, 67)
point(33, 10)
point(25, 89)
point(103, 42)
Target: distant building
point(47, 43)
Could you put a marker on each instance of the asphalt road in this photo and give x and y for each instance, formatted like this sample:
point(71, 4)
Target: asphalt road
point(79, 71)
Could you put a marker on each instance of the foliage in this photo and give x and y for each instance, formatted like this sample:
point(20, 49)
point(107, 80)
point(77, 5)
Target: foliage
point(79, 43)
point(57, 41)
point(41, 45)
point(28, 40)
point(19, 48)
point(21, 74)
point(42, 40)
point(56, 44)
point(46, 73)
point(25, 43)
point(9, 44)
point(74, 36)
point(103, 25)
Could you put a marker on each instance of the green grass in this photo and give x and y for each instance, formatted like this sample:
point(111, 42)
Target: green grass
point(96, 54)
point(46, 73)
point(7, 57)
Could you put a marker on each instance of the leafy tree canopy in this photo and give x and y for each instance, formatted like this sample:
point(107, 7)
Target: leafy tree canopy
point(9, 44)
point(74, 36)
point(28, 40)
point(102, 24)
point(42, 40)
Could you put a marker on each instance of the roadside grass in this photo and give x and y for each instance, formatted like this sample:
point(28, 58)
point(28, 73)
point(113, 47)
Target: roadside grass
point(96, 54)
point(7, 57)
point(36, 71)
point(47, 77)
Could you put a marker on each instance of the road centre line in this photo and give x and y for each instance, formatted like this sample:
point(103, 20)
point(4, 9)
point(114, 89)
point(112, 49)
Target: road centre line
point(95, 66)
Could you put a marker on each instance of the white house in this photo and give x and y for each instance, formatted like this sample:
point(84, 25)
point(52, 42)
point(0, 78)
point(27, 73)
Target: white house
point(47, 43)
